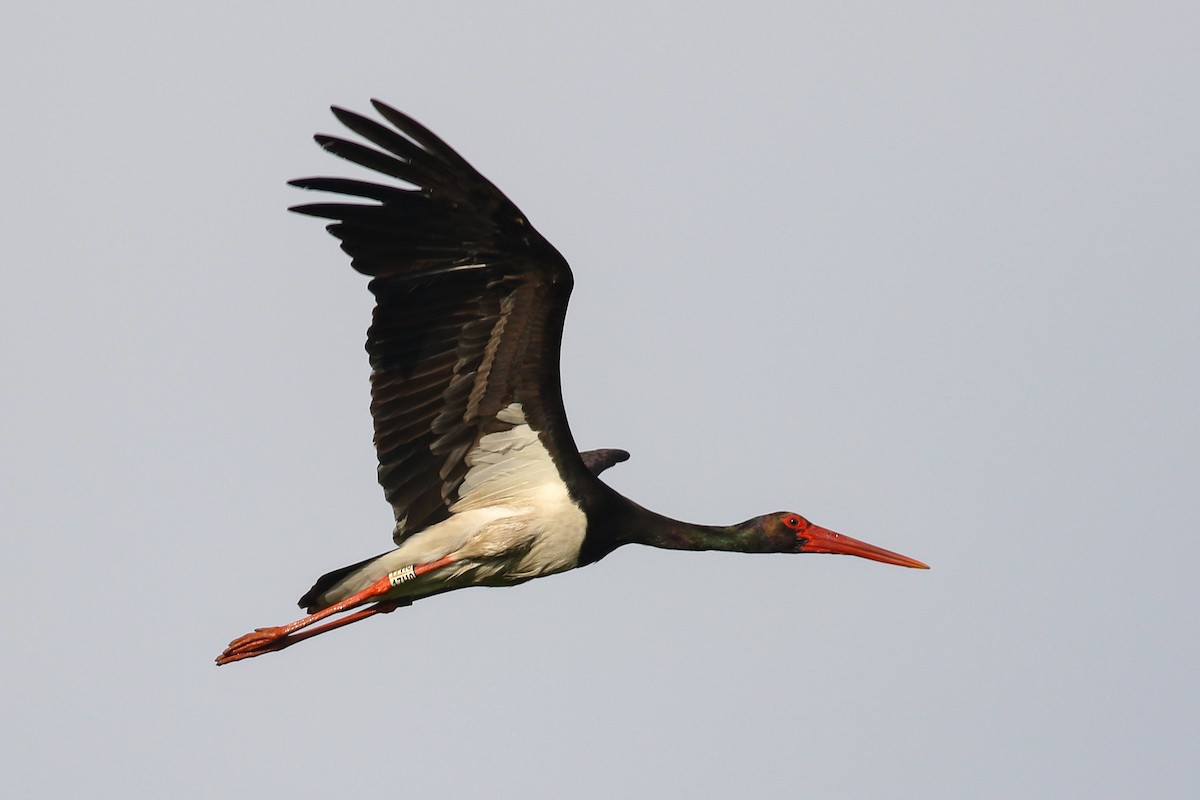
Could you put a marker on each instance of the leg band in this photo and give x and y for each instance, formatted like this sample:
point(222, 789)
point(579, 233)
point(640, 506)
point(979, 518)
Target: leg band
point(402, 575)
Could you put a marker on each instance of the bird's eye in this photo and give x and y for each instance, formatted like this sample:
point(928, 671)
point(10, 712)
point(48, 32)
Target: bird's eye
point(795, 522)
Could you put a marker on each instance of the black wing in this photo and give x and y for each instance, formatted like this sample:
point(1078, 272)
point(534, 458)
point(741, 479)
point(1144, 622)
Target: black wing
point(599, 460)
point(469, 313)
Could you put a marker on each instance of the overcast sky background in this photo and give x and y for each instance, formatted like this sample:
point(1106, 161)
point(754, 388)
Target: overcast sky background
point(927, 273)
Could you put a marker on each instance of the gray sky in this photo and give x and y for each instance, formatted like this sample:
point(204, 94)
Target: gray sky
point(925, 273)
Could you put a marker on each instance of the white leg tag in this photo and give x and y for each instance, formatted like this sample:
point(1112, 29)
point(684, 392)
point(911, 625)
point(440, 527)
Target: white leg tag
point(401, 575)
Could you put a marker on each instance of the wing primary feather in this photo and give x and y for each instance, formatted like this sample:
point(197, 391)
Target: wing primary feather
point(427, 139)
point(355, 188)
point(389, 140)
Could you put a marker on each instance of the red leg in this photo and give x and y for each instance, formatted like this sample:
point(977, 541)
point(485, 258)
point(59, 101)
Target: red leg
point(268, 640)
point(385, 607)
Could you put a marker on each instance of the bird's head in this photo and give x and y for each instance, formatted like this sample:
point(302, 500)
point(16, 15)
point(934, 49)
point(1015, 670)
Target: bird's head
point(788, 532)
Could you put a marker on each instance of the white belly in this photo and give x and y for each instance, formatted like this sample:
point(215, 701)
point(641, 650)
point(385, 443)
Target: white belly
point(514, 520)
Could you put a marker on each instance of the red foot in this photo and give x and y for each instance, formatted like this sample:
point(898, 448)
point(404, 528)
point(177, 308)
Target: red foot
point(262, 640)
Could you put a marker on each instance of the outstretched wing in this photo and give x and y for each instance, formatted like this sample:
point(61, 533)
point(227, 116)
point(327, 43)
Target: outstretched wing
point(470, 301)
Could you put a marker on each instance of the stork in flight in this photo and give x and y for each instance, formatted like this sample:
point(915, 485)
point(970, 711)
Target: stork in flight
point(475, 455)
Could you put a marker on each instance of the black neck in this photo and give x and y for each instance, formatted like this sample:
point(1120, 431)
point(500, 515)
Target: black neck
point(616, 520)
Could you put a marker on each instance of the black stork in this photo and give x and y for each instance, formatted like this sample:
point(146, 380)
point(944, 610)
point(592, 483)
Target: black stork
point(475, 455)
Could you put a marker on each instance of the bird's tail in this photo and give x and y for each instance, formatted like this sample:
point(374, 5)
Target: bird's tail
point(316, 598)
